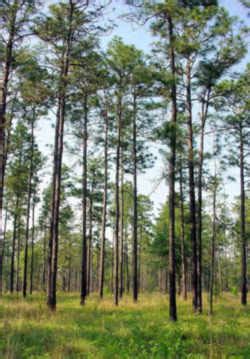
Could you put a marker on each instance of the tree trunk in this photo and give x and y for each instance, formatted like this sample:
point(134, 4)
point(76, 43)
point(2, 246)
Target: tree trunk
point(117, 204)
point(3, 102)
point(171, 173)
point(243, 223)
point(58, 153)
point(121, 288)
point(31, 169)
point(183, 249)
point(104, 209)
point(135, 206)
point(84, 204)
point(18, 286)
point(44, 261)
point(32, 247)
point(13, 253)
point(204, 112)
point(90, 254)
point(197, 300)
point(127, 261)
point(211, 286)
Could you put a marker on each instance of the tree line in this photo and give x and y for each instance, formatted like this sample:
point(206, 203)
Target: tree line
point(89, 228)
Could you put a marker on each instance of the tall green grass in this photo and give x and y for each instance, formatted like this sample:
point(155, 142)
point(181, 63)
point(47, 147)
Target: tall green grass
point(101, 330)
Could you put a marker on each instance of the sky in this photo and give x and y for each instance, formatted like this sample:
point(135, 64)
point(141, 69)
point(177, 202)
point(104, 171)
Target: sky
point(148, 183)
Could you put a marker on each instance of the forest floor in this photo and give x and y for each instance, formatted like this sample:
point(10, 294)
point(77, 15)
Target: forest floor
point(100, 330)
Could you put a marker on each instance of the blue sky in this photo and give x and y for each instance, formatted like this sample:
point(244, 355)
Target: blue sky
point(140, 36)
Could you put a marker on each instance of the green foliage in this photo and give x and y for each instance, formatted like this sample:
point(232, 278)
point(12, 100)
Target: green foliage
point(101, 331)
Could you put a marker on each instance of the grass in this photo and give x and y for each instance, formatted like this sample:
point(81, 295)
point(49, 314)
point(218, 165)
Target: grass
point(100, 330)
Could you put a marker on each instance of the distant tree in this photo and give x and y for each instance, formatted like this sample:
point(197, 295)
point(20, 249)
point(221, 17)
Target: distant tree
point(15, 21)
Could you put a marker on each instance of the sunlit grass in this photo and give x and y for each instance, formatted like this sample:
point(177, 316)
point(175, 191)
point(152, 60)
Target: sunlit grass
point(101, 330)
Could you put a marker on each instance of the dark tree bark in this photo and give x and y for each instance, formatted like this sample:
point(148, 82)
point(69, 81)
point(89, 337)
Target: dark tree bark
point(19, 245)
point(243, 222)
point(171, 173)
point(69, 267)
point(211, 285)
point(135, 206)
point(32, 247)
point(183, 249)
point(13, 252)
point(89, 259)
point(45, 259)
point(84, 205)
point(3, 103)
point(121, 287)
point(104, 208)
point(58, 152)
point(117, 202)
point(204, 113)
point(126, 259)
point(29, 194)
point(197, 300)
point(57, 167)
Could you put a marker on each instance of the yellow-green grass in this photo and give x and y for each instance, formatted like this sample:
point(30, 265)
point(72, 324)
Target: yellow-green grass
point(101, 330)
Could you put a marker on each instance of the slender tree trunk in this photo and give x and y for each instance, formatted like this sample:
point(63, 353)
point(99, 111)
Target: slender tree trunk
point(113, 262)
point(121, 288)
point(84, 205)
point(135, 206)
point(13, 253)
point(140, 258)
point(117, 204)
point(70, 267)
point(211, 286)
point(32, 247)
point(104, 209)
point(127, 261)
point(90, 254)
point(171, 173)
point(4, 233)
point(243, 223)
point(31, 169)
point(58, 153)
point(183, 249)
point(197, 295)
point(44, 261)
point(18, 286)
point(3, 103)
point(204, 113)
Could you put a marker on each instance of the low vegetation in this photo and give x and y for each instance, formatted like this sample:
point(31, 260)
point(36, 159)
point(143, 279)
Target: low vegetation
point(101, 330)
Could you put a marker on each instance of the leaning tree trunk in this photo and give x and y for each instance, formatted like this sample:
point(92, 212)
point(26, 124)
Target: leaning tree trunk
point(197, 300)
point(171, 174)
point(243, 223)
point(135, 206)
point(84, 205)
point(104, 209)
point(31, 169)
